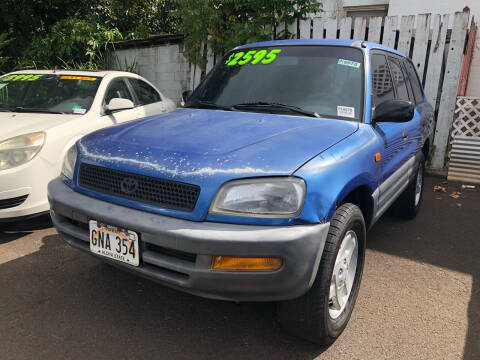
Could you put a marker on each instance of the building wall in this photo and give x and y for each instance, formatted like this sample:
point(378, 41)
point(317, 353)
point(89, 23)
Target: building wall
point(414, 7)
point(163, 65)
point(364, 2)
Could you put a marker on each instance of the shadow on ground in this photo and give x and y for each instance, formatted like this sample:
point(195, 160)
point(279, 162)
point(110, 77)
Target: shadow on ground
point(61, 303)
point(67, 304)
point(18, 229)
point(445, 234)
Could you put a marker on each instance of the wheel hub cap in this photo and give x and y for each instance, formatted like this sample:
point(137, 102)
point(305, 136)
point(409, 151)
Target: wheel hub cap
point(343, 274)
point(418, 185)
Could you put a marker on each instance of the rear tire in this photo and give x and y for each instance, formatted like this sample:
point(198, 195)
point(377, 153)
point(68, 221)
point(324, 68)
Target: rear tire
point(408, 204)
point(323, 312)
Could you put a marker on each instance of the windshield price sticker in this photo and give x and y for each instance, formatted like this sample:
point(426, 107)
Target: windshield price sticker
point(350, 63)
point(262, 56)
point(21, 77)
point(72, 77)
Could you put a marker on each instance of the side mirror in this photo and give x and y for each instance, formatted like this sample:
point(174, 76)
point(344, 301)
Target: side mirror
point(117, 104)
point(186, 95)
point(393, 111)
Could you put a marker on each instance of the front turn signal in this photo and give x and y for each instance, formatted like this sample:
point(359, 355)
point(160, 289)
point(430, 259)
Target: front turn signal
point(230, 263)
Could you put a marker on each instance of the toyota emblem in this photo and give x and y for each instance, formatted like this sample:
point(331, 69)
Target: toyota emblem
point(129, 185)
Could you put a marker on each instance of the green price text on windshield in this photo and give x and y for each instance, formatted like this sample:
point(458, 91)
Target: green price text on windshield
point(253, 57)
point(21, 77)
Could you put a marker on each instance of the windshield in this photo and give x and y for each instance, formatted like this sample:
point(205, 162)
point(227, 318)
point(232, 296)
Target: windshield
point(48, 93)
point(320, 80)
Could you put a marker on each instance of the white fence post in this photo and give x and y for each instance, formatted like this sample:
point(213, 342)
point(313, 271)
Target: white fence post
point(318, 25)
point(422, 31)
point(435, 60)
point(375, 28)
point(405, 38)
point(346, 28)
point(331, 27)
point(390, 31)
point(449, 89)
point(359, 28)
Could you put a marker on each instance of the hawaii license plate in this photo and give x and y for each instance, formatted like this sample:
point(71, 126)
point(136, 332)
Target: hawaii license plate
point(114, 243)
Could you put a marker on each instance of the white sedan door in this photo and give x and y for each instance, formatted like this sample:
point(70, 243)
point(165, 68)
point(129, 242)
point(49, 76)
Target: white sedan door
point(149, 100)
point(119, 88)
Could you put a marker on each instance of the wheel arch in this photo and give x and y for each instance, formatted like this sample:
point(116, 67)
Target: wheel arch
point(361, 196)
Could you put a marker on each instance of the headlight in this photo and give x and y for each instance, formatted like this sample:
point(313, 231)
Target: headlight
point(20, 149)
point(267, 197)
point(69, 162)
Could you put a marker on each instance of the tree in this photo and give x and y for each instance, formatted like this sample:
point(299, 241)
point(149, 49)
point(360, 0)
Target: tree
point(222, 25)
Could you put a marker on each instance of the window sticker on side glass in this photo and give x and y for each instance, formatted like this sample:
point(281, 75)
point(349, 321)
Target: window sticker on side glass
point(253, 57)
point(21, 77)
point(350, 63)
point(346, 111)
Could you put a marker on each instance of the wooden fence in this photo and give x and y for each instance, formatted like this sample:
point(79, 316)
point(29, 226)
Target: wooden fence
point(422, 37)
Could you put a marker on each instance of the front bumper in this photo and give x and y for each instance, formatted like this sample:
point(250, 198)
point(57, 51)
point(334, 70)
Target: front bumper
point(178, 253)
point(27, 181)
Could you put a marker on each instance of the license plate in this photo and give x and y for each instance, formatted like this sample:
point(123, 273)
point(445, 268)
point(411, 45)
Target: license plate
point(114, 243)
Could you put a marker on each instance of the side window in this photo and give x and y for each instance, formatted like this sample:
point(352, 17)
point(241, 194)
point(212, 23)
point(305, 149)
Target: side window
point(399, 79)
point(382, 87)
point(416, 87)
point(145, 93)
point(118, 89)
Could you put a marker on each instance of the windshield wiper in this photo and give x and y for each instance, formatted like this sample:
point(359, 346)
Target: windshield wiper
point(264, 104)
point(34, 110)
point(209, 105)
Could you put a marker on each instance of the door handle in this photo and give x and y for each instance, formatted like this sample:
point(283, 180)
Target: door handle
point(405, 135)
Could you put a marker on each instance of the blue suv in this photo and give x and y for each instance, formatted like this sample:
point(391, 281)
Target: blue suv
point(263, 185)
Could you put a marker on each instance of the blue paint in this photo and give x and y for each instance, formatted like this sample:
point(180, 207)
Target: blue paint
point(210, 147)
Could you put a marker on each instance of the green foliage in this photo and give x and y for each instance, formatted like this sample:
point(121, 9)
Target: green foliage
point(5, 60)
point(228, 23)
point(79, 34)
point(136, 19)
point(71, 43)
point(75, 34)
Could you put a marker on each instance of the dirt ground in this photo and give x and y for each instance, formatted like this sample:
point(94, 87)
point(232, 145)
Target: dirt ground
point(419, 299)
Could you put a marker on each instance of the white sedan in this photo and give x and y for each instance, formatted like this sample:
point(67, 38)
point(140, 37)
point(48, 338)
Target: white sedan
point(42, 113)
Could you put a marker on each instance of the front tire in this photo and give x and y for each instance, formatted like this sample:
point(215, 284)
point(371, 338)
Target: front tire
point(323, 312)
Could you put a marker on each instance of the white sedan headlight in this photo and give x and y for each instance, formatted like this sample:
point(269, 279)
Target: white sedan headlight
point(69, 162)
point(262, 197)
point(20, 149)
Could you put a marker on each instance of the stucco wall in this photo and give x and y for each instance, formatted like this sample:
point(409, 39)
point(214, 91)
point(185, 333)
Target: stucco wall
point(163, 65)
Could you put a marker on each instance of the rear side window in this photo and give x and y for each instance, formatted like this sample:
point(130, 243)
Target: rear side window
point(145, 93)
point(382, 86)
point(399, 79)
point(416, 87)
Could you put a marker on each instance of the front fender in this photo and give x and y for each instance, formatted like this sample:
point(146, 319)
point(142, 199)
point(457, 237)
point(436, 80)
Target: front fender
point(332, 175)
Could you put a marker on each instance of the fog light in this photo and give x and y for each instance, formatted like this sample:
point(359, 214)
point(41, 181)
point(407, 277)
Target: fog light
point(230, 263)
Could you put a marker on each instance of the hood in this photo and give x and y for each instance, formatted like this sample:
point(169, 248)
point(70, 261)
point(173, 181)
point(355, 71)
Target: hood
point(15, 124)
point(191, 144)
point(208, 148)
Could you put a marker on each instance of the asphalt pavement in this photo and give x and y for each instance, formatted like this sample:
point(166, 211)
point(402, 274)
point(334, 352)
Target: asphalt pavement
point(419, 299)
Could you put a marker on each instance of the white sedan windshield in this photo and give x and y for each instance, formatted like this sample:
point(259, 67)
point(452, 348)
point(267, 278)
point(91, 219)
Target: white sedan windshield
point(49, 93)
